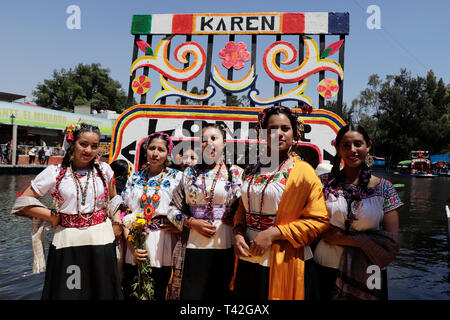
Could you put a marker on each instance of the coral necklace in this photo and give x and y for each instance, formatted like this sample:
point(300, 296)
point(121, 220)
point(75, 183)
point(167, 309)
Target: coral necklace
point(265, 186)
point(151, 203)
point(210, 199)
point(78, 183)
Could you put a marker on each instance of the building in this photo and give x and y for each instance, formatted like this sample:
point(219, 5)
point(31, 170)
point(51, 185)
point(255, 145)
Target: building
point(32, 125)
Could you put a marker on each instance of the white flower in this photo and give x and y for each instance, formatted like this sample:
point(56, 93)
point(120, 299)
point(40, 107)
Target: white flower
point(129, 220)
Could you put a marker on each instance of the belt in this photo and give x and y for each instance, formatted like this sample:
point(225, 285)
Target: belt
point(259, 221)
point(220, 212)
point(83, 220)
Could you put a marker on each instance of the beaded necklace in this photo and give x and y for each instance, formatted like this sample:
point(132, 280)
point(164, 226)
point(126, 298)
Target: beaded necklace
point(149, 204)
point(264, 189)
point(84, 192)
point(209, 205)
point(78, 184)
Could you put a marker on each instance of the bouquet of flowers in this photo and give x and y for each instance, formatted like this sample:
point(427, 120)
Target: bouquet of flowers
point(143, 286)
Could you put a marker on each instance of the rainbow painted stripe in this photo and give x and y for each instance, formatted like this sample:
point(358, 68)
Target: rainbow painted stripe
point(242, 23)
point(207, 113)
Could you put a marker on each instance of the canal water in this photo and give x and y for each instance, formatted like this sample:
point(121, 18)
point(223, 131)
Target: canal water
point(421, 270)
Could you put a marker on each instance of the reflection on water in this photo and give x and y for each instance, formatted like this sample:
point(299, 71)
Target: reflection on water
point(420, 271)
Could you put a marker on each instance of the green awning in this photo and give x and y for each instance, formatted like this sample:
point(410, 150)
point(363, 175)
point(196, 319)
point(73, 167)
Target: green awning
point(405, 162)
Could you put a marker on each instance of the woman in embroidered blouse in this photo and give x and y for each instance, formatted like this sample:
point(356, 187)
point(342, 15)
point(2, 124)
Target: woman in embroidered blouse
point(81, 261)
point(280, 214)
point(364, 219)
point(151, 189)
point(204, 205)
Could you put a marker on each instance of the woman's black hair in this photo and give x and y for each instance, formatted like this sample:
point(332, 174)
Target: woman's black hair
point(268, 112)
point(334, 176)
point(66, 162)
point(223, 132)
point(121, 170)
point(159, 136)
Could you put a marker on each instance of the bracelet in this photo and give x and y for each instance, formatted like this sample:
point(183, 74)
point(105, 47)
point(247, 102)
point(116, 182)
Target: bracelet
point(188, 222)
point(116, 222)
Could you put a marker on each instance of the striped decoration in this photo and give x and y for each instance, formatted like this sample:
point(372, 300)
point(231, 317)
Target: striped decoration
point(209, 114)
point(242, 23)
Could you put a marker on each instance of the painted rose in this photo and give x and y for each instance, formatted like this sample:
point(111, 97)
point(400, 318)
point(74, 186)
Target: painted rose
point(234, 55)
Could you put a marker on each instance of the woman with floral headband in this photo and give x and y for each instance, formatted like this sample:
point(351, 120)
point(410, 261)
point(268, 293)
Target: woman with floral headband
point(82, 260)
point(281, 212)
point(203, 207)
point(364, 223)
point(148, 192)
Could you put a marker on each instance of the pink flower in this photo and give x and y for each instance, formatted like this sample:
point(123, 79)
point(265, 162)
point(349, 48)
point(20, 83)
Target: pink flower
point(234, 55)
point(328, 88)
point(70, 138)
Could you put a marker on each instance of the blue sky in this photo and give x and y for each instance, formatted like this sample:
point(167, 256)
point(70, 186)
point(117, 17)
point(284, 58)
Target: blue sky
point(35, 40)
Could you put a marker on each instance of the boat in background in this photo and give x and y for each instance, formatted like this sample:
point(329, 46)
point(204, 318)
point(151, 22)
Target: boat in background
point(419, 166)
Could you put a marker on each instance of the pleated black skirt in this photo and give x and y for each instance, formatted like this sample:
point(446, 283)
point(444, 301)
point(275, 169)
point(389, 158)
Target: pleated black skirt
point(82, 265)
point(252, 281)
point(207, 274)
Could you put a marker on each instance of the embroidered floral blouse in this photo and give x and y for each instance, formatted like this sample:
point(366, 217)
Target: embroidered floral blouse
point(369, 214)
point(46, 182)
point(226, 192)
point(164, 185)
point(272, 196)
point(159, 244)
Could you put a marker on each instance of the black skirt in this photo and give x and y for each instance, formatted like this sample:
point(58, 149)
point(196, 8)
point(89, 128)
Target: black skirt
point(252, 281)
point(327, 282)
point(207, 274)
point(82, 272)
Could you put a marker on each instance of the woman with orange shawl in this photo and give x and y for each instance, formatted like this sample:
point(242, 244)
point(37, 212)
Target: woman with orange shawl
point(281, 212)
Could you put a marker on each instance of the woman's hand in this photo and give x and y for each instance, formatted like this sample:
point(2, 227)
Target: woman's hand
point(117, 228)
point(203, 227)
point(263, 241)
point(336, 236)
point(139, 254)
point(169, 227)
point(55, 220)
point(241, 248)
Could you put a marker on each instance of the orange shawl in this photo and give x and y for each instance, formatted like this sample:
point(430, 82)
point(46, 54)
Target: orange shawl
point(302, 217)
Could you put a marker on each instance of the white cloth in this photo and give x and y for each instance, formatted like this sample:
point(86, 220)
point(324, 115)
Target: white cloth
point(46, 182)
point(159, 244)
point(368, 216)
point(272, 198)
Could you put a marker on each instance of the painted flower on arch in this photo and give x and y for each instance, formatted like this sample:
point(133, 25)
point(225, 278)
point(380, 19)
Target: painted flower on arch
point(234, 55)
point(141, 84)
point(328, 88)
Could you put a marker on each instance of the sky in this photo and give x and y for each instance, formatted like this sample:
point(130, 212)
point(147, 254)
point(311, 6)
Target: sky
point(35, 40)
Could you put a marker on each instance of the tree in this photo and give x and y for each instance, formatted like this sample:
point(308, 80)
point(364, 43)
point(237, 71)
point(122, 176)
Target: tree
point(86, 84)
point(404, 113)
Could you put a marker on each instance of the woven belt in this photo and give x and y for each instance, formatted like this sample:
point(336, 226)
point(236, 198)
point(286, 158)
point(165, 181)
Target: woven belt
point(83, 220)
point(158, 221)
point(259, 221)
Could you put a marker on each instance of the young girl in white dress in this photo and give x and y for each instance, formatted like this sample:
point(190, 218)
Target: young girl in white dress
point(203, 207)
point(150, 190)
point(81, 262)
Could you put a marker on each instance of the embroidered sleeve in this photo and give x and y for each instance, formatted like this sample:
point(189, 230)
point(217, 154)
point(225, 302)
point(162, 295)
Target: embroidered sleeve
point(392, 200)
point(45, 180)
point(178, 209)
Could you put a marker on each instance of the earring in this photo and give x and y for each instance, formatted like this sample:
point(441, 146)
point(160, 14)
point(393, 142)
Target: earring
point(369, 160)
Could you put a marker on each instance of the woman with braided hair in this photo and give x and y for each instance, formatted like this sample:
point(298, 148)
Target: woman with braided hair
point(148, 192)
point(281, 212)
point(82, 261)
point(364, 223)
point(203, 207)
